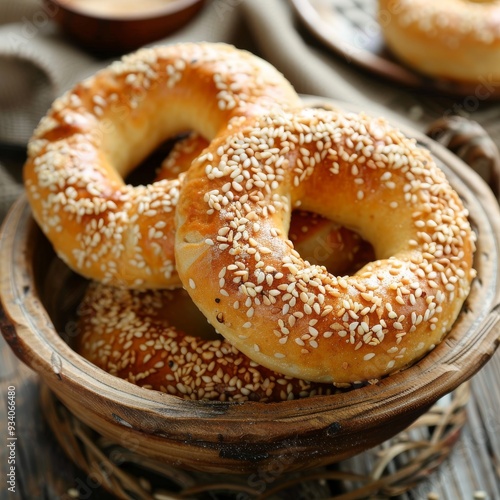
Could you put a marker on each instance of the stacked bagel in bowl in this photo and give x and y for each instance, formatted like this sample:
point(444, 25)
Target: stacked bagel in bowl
point(295, 321)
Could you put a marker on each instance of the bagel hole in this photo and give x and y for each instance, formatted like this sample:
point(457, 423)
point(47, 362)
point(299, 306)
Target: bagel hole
point(325, 243)
point(181, 312)
point(146, 171)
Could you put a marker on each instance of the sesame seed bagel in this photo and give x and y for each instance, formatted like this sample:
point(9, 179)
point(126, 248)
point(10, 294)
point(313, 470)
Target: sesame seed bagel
point(240, 269)
point(317, 239)
point(140, 336)
point(451, 39)
point(95, 134)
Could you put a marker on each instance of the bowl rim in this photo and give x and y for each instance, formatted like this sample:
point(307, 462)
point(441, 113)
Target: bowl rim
point(170, 9)
point(32, 336)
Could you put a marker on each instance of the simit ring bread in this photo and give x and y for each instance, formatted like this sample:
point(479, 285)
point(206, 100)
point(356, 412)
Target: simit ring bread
point(96, 133)
point(295, 318)
point(451, 39)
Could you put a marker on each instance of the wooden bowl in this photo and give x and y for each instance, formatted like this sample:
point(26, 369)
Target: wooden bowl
point(37, 293)
point(116, 31)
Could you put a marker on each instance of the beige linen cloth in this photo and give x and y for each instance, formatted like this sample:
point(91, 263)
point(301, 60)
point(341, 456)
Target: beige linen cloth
point(37, 64)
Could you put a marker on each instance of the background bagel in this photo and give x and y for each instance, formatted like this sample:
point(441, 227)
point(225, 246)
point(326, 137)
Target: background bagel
point(451, 39)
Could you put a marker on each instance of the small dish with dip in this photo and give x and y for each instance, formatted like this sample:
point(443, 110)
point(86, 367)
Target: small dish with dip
point(112, 27)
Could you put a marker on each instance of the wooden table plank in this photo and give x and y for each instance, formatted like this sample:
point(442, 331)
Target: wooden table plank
point(43, 472)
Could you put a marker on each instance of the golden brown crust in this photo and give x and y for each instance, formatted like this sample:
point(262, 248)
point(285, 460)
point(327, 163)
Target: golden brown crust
point(140, 337)
point(97, 132)
point(450, 39)
point(233, 258)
